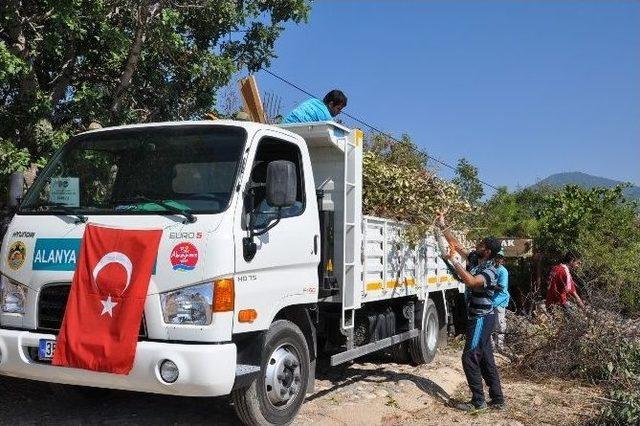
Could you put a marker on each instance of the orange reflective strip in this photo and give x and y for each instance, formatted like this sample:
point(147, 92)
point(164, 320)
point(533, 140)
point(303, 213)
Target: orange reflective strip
point(375, 285)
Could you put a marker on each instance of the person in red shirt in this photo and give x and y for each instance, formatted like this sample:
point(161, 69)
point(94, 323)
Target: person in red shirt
point(561, 285)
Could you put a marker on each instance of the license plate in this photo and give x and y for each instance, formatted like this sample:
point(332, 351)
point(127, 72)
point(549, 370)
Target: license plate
point(46, 349)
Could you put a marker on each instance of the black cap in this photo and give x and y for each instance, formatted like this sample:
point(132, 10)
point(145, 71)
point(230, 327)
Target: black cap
point(493, 244)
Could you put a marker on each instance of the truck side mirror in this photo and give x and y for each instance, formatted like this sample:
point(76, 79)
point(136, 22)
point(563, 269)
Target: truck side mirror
point(281, 185)
point(16, 189)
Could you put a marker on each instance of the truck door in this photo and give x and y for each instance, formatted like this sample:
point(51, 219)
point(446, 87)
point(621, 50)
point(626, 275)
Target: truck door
point(283, 271)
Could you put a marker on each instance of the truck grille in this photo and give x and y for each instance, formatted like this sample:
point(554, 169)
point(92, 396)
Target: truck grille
point(52, 304)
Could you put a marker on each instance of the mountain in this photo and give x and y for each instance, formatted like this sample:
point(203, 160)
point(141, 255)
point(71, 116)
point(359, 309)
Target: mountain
point(587, 181)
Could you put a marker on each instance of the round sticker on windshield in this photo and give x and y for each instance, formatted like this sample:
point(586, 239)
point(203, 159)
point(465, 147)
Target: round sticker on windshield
point(16, 256)
point(184, 257)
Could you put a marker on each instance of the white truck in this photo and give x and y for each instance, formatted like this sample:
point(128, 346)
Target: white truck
point(282, 264)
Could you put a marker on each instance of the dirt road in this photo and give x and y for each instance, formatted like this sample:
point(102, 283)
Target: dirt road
point(370, 392)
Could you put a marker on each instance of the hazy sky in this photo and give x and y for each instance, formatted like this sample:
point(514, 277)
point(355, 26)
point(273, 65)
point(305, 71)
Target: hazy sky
point(522, 89)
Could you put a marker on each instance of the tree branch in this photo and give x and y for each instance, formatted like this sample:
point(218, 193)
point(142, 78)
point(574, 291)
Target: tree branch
point(63, 79)
point(146, 14)
point(18, 46)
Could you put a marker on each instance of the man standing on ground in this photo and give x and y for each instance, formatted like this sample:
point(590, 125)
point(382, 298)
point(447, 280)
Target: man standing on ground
point(500, 302)
point(561, 285)
point(477, 358)
point(316, 110)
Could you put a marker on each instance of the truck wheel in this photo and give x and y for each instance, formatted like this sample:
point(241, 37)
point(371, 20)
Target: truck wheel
point(275, 397)
point(422, 349)
point(400, 353)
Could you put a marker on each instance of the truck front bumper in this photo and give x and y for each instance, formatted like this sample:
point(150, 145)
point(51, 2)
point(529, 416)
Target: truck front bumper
point(204, 369)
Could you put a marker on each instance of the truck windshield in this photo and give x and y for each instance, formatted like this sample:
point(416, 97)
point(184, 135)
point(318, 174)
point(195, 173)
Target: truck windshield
point(146, 170)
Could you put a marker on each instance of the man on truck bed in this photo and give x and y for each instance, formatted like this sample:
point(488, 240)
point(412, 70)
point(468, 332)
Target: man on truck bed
point(477, 358)
point(316, 110)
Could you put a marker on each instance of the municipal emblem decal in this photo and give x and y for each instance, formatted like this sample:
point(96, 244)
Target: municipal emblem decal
point(17, 255)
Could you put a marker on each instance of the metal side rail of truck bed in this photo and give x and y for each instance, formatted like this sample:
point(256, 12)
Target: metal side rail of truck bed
point(359, 351)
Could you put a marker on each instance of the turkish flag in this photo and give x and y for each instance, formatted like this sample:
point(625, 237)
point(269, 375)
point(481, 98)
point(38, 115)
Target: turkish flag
point(102, 320)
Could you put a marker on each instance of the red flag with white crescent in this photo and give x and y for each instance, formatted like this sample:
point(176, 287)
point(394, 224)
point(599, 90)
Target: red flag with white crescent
point(102, 319)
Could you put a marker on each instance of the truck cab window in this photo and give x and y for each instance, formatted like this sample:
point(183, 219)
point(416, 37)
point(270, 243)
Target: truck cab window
point(271, 149)
point(128, 171)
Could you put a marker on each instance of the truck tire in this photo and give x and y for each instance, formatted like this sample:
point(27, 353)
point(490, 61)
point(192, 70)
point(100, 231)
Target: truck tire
point(276, 396)
point(423, 348)
point(400, 353)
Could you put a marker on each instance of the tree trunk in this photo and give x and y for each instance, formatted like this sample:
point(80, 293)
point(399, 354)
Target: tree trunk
point(147, 12)
point(17, 44)
point(64, 79)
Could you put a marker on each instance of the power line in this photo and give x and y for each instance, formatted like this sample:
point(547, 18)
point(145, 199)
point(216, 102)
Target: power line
point(375, 129)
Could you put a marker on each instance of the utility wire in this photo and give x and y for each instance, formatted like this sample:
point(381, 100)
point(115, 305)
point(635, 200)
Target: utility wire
point(364, 123)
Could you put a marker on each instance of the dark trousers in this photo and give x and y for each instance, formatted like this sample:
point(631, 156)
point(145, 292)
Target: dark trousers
point(478, 361)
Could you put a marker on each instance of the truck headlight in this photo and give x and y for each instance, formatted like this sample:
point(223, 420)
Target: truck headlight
point(13, 295)
point(189, 305)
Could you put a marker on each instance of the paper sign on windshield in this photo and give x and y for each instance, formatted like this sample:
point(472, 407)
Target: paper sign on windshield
point(65, 190)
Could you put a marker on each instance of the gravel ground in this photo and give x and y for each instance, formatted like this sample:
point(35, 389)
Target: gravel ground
point(373, 391)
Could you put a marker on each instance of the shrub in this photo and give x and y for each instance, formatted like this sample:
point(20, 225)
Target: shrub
point(597, 346)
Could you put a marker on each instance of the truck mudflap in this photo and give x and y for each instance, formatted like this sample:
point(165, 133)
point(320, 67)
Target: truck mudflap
point(203, 369)
point(249, 357)
point(245, 374)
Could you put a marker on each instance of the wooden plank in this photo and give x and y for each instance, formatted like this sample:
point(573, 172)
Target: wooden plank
point(251, 99)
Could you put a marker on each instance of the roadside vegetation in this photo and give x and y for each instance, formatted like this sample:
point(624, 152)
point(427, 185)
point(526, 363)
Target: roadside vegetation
point(599, 346)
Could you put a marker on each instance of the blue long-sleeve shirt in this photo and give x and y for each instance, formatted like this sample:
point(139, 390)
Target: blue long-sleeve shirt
point(501, 298)
point(309, 111)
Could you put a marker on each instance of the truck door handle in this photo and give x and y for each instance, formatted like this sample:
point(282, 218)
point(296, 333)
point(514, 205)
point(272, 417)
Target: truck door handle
point(315, 244)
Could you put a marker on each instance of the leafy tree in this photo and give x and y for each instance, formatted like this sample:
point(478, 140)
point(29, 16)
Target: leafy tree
point(467, 180)
point(605, 228)
point(65, 63)
point(512, 214)
point(599, 223)
point(402, 153)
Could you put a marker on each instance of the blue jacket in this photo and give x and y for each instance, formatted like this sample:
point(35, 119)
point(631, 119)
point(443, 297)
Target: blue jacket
point(309, 111)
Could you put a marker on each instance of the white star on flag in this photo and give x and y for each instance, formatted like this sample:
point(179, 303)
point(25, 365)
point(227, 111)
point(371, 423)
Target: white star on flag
point(107, 306)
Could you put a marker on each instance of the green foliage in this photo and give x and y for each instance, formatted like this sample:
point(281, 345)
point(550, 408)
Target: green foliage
point(604, 227)
point(599, 223)
point(12, 159)
point(397, 185)
point(403, 153)
point(511, 214)
point(468, 181)
point(619, 372)
point(67, 63)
